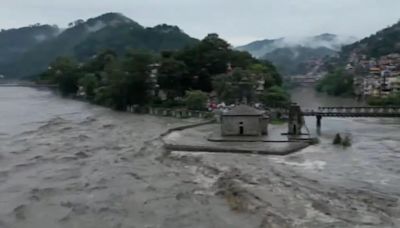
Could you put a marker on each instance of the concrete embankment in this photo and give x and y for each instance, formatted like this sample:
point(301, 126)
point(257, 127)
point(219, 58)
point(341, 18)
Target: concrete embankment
point(197, 139)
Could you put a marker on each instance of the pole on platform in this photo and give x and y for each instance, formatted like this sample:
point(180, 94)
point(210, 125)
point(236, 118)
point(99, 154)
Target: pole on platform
point(319, 121)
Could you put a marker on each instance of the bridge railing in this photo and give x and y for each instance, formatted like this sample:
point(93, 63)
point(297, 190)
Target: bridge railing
point(359, 109)
point(390, 110)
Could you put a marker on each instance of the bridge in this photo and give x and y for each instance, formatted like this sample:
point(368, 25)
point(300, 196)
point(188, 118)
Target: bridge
point(353, 112)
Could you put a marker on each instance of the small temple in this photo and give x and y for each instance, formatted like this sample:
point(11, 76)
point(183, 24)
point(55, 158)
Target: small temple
point(244, 120)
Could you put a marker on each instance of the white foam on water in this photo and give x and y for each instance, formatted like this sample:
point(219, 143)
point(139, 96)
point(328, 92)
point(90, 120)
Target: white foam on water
point(307, 164)
point(174, 136)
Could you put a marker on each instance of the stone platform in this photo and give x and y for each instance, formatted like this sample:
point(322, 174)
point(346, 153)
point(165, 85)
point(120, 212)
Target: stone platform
point(205, 139)
point(277, 133)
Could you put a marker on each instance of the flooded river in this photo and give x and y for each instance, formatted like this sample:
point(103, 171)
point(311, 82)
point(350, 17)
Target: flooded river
point(65, 163)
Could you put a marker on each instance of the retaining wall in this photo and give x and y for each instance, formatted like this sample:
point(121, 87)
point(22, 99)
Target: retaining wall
point(177, 113)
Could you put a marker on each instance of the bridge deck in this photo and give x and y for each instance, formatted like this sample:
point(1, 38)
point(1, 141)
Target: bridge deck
point(383, 112)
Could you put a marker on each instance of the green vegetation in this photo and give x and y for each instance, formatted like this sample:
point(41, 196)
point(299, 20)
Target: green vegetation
point(338, 83)
point(337, 140)
point(275, 96)
point(382, 43)
point(196, 100)
point(346, 142)
point(391, 100)
point(185, 77)
point(15, 42)
point(234, 86)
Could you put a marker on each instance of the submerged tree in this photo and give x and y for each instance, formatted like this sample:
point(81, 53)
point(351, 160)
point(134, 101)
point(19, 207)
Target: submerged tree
point(64, 72)
point(346, 141)
point(337, 140)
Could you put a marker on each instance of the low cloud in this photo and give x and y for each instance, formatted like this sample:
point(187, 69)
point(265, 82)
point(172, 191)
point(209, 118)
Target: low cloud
point(236, 21)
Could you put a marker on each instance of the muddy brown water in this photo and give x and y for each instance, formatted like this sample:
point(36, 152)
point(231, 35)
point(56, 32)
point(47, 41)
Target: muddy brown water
point(65, 163)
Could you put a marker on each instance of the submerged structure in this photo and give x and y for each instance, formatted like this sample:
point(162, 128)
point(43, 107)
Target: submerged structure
point(296, 120)
point(244, 120)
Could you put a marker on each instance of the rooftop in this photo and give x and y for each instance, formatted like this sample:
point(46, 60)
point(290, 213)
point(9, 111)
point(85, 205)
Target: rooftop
point(244, 110)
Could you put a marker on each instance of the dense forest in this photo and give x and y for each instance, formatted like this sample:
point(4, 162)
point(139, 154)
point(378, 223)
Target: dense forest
point(336, 83)
point(186, 77)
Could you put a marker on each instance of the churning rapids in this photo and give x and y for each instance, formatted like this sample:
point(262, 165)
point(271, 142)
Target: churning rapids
point(65, 163)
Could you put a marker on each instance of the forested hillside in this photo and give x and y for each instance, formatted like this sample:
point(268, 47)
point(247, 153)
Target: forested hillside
point(294, 56)
point(382, 43)
point(15, 42)
point(83, 39)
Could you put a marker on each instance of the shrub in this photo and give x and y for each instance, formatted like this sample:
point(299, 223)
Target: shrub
point(196, 100)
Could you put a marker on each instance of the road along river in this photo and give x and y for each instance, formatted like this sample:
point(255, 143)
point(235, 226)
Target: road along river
point(65, 163)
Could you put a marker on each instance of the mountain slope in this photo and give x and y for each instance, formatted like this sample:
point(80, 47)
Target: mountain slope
point(382, 43)
point(86, 38)
point(123, 37)
point(261, 47)
point(297, 56)
point(298, 59)
point(15, 42)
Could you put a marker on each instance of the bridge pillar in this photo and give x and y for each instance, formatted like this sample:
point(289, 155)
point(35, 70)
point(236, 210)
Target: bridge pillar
point(296, 120)
point(319, 122)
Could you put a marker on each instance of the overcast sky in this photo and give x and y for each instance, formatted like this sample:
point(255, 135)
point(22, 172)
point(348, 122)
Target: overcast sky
point(238, 21)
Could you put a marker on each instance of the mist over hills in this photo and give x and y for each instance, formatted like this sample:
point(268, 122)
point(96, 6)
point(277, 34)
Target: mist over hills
point(297, 55)
point(82, 40)
point(27, 51)
point(15, 42)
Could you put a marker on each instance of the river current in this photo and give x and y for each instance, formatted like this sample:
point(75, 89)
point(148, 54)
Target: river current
point(65, 163)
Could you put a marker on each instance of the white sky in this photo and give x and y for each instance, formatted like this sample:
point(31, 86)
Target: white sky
point(238, 21)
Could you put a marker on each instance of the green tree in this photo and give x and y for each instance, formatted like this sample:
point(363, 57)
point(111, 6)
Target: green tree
point(346, 142)
point(337, 83)
point(173, 77)
point(391, 100)
point(337, 140)
point(261, 72)
point(196, 100)
point(65, 72)
point(235, 86)
point(275, 96)
point(128, 80)
point(210, 57)
point(89, 83)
